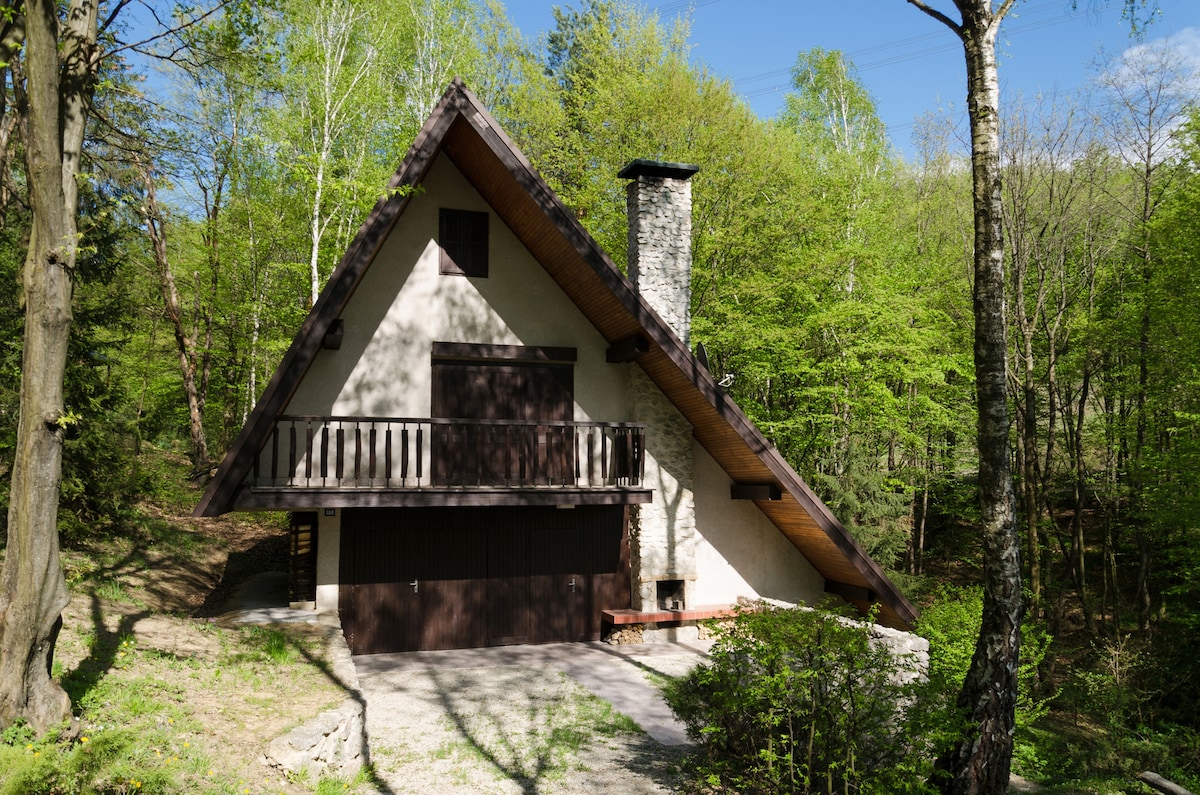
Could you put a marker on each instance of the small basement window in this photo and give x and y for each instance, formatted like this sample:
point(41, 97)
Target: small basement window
point(463, 238)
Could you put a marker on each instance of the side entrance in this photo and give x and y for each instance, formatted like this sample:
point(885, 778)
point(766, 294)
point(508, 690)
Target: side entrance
point(417, 579)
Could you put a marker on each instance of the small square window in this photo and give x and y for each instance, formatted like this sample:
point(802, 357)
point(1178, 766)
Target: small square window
point(463, 237)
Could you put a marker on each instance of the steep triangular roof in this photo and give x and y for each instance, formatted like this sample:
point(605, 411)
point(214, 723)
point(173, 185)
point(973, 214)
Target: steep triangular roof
point(462, 130)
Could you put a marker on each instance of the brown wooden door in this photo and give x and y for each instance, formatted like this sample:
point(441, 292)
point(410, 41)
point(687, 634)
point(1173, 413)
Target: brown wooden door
point(378, 600)
point(443, 578)
point(467, 454)
point(558, 580)
point(302, 579)
point(509, 599)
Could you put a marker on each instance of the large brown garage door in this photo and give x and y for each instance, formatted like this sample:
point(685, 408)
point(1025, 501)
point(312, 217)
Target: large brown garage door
point(454, 578)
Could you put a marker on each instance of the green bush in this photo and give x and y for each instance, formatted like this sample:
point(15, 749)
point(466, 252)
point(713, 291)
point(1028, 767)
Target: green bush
point(800, 701)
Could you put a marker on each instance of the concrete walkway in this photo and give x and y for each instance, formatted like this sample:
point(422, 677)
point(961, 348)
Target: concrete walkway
point(616, 673)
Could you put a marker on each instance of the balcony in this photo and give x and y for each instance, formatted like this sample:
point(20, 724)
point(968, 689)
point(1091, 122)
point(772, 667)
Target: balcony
point(372, 461)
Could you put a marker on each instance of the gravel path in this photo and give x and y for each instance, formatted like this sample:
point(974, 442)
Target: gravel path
point(511, 728)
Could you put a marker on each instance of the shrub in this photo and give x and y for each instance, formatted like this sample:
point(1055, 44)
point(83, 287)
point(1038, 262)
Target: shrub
point(798, 701)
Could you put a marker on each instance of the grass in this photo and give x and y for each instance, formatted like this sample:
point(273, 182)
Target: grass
point(167, 703)
point(147, 728)
point(170, 703)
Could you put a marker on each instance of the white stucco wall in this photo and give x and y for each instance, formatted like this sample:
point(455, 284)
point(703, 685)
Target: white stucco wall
point(403, 305)
point(329, 544)
point(739, 552)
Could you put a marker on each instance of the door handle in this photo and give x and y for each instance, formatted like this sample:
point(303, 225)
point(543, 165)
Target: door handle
point(414, 585)
point(572, 584)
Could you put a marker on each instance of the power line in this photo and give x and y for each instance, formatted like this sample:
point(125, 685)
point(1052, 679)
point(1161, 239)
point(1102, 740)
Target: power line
point(678, 6)
point(904, 56)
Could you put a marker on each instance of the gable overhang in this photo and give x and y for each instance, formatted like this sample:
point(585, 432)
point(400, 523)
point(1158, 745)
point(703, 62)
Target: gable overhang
point(462, 130)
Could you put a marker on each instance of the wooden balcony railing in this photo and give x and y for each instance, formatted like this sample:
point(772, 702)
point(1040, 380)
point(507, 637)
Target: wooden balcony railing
point(316, 452)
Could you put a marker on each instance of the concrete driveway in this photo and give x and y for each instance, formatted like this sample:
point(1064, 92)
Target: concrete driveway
point(616, 673)
point(522, 719)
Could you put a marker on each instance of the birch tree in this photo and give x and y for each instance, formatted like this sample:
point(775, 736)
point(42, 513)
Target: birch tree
point(979, 762)
point(333, 59)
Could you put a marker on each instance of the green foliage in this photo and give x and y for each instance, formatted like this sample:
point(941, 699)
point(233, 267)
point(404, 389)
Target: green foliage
point(95, 484)
point(950, 621)
point(802, 701)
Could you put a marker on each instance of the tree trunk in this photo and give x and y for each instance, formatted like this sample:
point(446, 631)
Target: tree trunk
point(185, 346)
point(33, 591)
point(980, 761)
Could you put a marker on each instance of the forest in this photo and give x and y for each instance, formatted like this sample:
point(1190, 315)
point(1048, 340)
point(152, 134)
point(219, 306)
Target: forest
point(227, 163)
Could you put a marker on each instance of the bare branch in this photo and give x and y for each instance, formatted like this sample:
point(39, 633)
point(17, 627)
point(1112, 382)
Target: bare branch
point(138, 46)
point(113, 15)
point(939, 16)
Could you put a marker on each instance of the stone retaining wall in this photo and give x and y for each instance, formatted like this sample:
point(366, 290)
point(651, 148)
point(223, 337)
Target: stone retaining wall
point(335, 742)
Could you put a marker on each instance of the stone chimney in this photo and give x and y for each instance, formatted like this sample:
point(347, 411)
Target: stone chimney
point(662, 536)
point(660, 238)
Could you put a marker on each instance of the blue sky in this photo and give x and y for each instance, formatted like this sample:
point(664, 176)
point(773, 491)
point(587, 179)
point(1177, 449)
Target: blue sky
point(910, 63)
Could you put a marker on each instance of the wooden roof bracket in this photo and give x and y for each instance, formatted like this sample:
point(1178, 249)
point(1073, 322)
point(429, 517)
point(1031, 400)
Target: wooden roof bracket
point(333, 336)
point(851, 593)
point(628, 349)
point(755, 491)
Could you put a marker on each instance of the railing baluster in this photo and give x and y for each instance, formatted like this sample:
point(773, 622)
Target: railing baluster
point(387, 456)
point(324, 451)
point(374, 434)
point(641, 469)
point(404, 452)
point(420, 456)
point(564, 457)
point(537, 455)
point(339, 466)
point(522, 454)
point(591, 453)
point(308, 449)
point(604, 458)
point(575, 446)
point(357, 453)
point(507, 455)
point(275, 454)
point(292, 456)
point(480, 460)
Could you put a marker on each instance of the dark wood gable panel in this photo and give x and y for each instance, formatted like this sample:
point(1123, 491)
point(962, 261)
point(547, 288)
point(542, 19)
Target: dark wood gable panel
point(503, 391)
point(534, 393)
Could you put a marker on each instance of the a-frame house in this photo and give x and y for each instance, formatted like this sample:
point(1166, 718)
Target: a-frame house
point(486, 434)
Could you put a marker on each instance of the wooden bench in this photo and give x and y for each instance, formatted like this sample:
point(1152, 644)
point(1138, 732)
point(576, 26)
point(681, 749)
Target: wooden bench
point(628, 616)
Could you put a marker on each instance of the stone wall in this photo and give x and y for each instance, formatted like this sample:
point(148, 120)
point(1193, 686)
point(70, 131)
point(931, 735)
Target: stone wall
point(662, 542)
point(335, 742)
